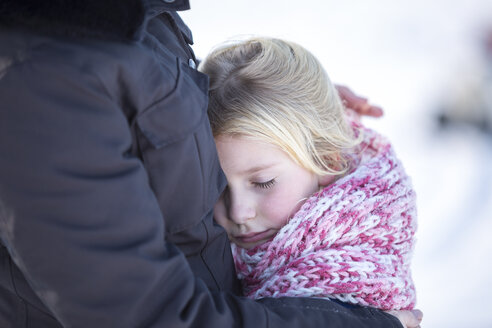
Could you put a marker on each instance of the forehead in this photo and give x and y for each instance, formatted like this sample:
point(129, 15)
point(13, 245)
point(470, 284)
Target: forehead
point(242, 155)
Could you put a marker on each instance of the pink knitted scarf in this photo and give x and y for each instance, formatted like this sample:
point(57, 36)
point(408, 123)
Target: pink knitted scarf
point(351, 241)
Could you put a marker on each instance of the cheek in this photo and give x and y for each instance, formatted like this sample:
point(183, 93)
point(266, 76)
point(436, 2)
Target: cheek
point(220, 215)
point(278, 207)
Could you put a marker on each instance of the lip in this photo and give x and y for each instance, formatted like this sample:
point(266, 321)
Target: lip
point(254, 236)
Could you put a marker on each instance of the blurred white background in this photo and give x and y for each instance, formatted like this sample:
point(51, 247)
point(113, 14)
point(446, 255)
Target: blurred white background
point(405, 56)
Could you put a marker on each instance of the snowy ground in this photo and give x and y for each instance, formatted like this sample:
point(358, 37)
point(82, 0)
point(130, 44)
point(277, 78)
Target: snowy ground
point(402, 54)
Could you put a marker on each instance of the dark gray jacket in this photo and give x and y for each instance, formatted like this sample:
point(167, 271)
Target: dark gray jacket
point(108, 176)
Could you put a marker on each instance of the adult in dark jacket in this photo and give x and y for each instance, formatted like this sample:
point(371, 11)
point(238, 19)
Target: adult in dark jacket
point(108, 176)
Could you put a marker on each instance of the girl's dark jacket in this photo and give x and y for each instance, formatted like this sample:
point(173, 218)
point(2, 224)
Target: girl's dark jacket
point(108, 176)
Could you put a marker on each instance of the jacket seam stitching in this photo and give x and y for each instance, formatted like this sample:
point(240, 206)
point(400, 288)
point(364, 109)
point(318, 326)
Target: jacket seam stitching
point(205, 262)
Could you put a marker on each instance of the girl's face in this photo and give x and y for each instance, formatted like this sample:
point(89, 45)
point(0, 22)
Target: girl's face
point(265, 187)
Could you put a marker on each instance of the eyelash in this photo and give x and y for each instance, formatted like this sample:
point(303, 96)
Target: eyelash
point(264, 185)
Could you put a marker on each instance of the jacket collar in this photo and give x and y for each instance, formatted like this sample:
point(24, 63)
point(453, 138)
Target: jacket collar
point(107, 19)
point(159, 6)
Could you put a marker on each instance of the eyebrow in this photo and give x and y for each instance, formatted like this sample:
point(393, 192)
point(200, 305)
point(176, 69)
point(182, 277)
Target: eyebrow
point(258, 168)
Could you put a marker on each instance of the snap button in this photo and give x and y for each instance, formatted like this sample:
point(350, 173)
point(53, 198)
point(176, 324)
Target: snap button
point(191, 63)
point(168, 1)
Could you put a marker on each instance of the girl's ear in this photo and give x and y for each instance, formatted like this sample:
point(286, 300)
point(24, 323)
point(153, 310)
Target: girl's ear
point(325, 180)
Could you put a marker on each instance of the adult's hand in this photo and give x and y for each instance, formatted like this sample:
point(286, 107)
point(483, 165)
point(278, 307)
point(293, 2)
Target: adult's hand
point(408, 318)
point(357, 103)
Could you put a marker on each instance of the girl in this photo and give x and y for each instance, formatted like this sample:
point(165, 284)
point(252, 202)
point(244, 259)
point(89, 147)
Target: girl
point(316, 204)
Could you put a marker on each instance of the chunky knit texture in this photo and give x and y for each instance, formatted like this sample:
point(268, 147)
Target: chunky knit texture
point(351, 241)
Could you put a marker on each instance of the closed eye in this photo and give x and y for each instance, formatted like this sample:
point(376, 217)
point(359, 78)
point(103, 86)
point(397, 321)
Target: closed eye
point(265, 185)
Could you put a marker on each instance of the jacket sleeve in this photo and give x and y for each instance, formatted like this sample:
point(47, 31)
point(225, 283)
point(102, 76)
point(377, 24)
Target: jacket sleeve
point(79, 219)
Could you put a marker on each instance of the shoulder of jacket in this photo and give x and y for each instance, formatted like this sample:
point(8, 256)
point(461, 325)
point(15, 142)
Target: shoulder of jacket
point(125, 70)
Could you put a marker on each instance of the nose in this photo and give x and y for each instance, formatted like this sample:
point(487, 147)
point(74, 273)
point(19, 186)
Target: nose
point(240, 206)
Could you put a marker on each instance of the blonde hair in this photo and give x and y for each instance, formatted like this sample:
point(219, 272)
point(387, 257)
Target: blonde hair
point(277, 91)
